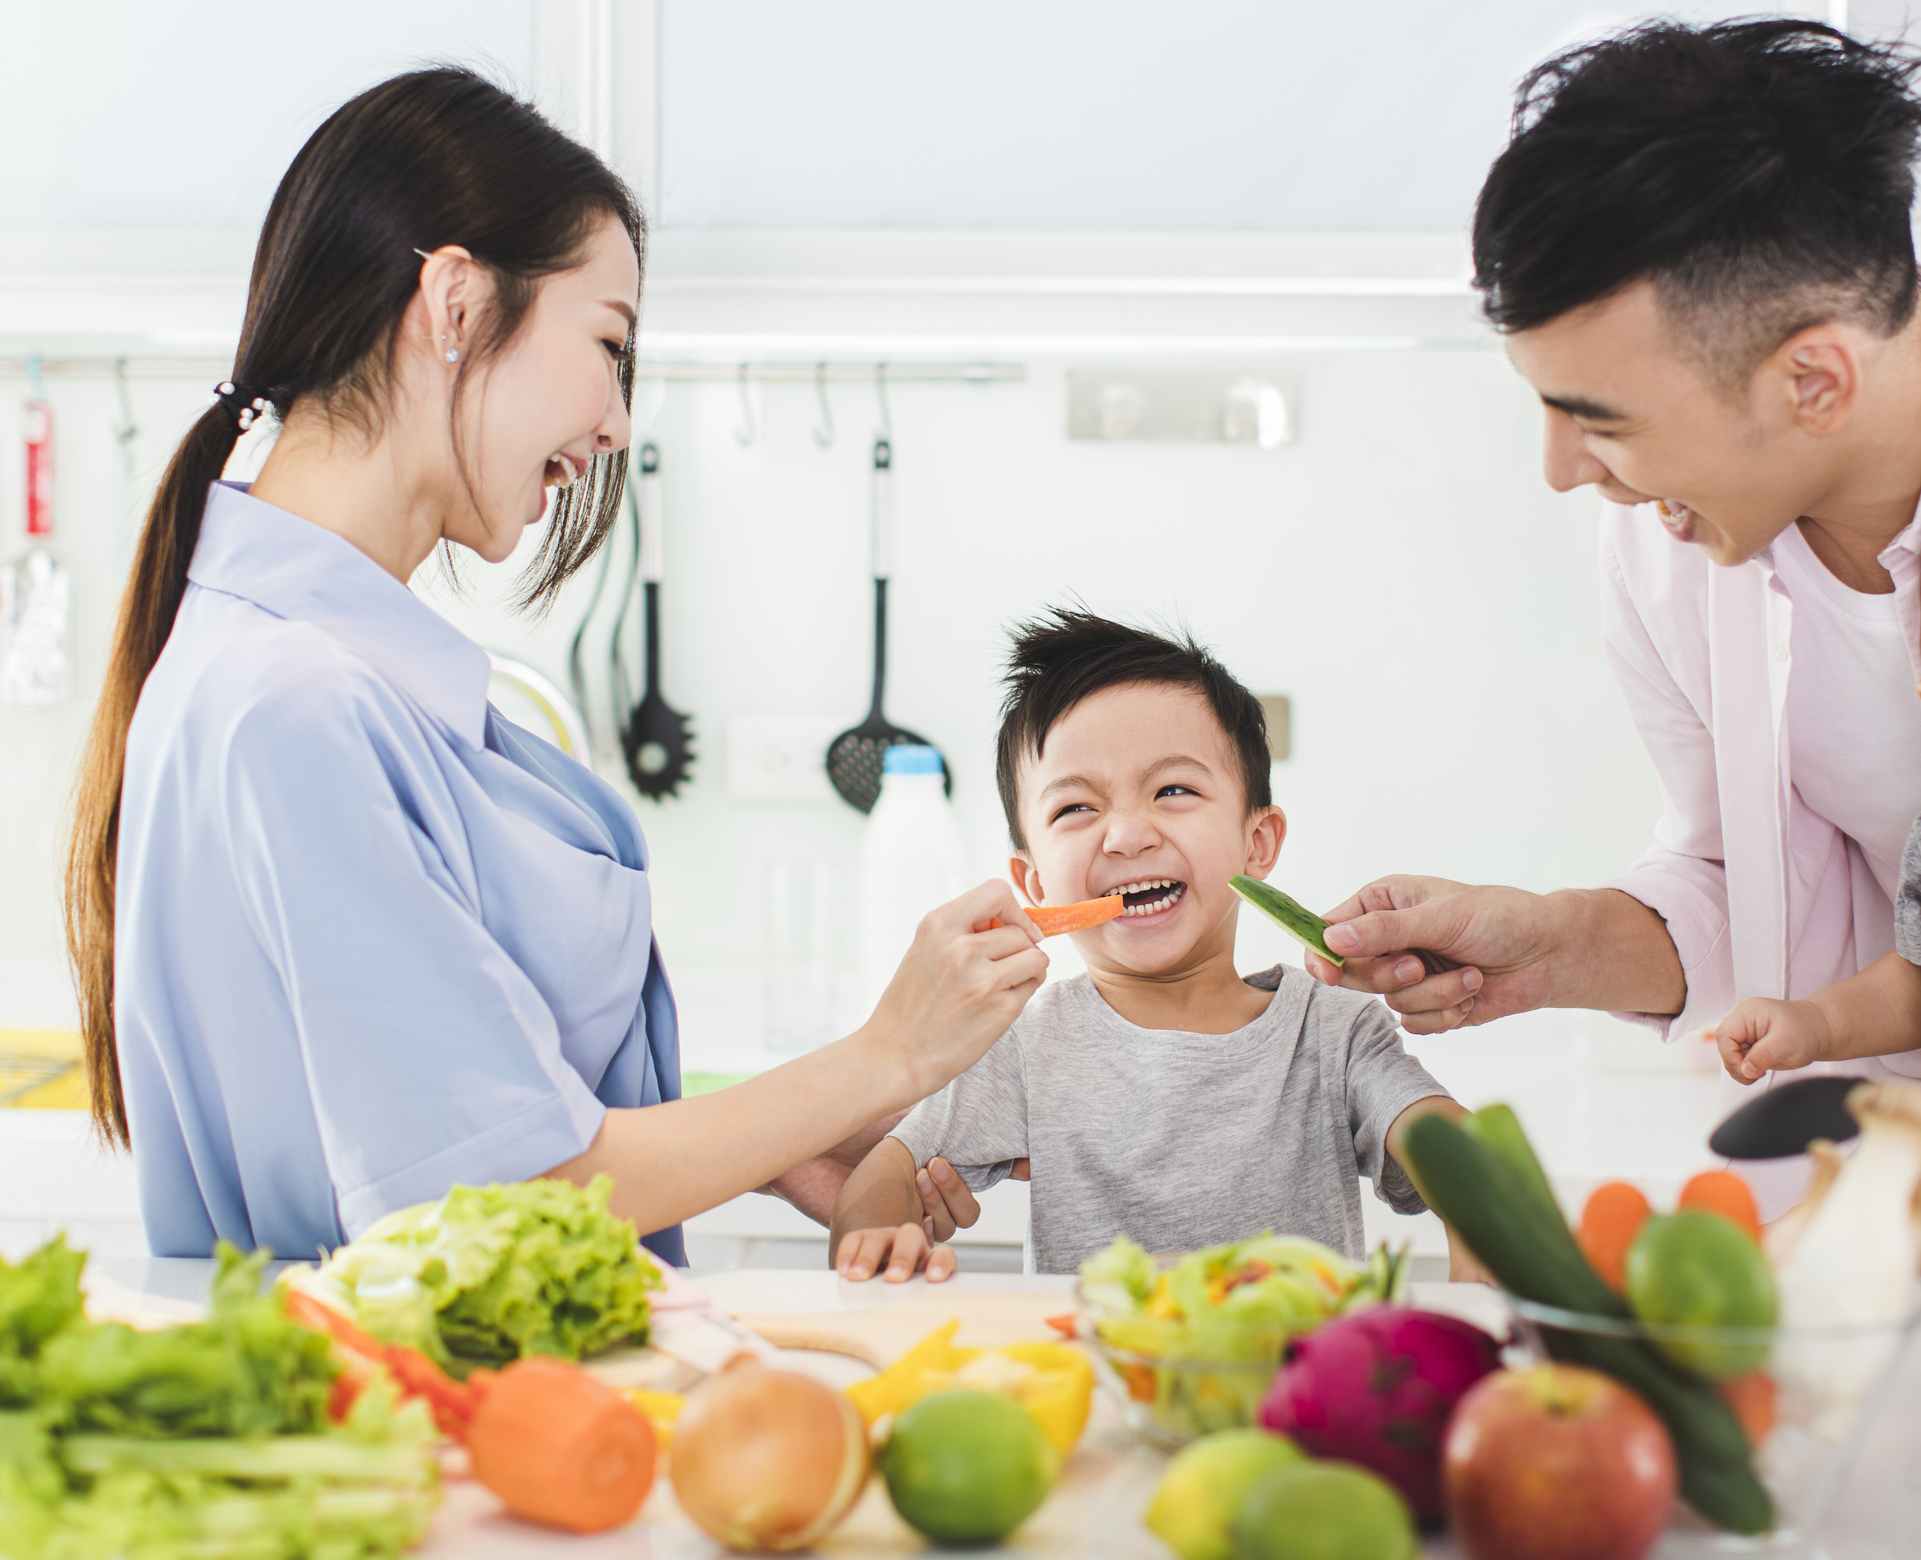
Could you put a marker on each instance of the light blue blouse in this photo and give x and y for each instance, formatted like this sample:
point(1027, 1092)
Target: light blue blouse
point(371, 939)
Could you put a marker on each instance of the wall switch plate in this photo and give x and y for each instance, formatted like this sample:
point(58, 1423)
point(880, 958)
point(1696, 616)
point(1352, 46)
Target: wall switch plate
point(1280, 738)
point(1225, 407)
point(780, 758)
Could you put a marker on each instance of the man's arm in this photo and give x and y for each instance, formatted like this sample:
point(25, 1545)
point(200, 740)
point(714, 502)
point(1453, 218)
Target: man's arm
point(1511, 951)
point(877, 1219)
point(1462, 1265)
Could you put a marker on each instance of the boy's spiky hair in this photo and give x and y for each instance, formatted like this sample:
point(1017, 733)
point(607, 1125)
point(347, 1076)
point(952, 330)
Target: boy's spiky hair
point(1068, 653)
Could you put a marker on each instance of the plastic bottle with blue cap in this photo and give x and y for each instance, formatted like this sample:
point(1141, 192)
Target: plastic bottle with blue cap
point(912, 859)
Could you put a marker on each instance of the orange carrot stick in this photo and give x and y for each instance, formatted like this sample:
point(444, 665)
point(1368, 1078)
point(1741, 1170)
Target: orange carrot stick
point(561, 1448)
point(1055, 919)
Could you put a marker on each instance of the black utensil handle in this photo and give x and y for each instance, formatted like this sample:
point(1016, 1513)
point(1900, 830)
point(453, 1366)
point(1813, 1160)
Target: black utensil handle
point(883, 509)
point(651, 559)
point(880, 646)
point(651, 592)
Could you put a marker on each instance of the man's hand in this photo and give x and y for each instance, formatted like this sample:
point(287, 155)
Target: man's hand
point(1763, 1035)
point(904, 1249)
point(1502, 951)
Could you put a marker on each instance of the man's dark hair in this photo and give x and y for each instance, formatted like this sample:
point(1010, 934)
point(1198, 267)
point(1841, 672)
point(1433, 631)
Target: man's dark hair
point(1759, 173)
point(1067, 654)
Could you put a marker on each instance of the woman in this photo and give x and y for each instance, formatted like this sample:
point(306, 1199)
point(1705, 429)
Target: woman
point(343, 936)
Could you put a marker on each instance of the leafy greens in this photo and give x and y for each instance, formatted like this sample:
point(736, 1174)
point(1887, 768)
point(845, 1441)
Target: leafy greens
point(490, 1273)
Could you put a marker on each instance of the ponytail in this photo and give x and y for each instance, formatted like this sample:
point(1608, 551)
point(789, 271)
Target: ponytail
point(147, 610)
point(430, 158)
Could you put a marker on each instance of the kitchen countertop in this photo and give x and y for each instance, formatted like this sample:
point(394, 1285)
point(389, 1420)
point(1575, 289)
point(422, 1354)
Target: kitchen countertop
point(1095, 1510)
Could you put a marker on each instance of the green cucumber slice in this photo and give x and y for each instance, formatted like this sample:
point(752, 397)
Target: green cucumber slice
point(1295, 919)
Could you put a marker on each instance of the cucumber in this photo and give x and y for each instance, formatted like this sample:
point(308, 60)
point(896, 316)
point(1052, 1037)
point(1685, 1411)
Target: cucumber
point(1533, 1254)
point(1500, 1129)
point(1295, 919)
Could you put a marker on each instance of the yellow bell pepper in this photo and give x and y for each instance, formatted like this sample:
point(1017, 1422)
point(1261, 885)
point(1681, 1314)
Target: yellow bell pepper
point(659, 1409)
point(1054, 1382)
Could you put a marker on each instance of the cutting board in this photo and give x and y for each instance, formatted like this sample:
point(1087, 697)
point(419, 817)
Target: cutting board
point(882, 1334)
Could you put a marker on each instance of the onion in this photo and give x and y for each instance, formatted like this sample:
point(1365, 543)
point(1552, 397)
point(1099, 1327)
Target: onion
point(768, 1459)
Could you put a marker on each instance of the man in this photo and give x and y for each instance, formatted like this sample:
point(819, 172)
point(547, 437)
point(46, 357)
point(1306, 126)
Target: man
point(1697, 243)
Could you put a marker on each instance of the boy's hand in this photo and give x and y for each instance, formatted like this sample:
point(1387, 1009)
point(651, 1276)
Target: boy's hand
point(904, 1249)
point(1765, 1035)
point(946, 1202)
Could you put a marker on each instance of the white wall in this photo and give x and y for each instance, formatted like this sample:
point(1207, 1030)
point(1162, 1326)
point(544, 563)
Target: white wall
point(1402, 573)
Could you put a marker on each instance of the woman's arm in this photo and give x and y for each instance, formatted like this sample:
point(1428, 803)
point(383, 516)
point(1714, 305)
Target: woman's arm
point(955, 994)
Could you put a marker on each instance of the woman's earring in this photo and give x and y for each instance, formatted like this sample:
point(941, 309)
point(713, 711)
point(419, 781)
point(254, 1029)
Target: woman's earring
point(453, 354)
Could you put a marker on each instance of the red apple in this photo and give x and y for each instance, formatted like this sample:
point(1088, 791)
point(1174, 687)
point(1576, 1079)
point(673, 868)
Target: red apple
point(1556, 1463)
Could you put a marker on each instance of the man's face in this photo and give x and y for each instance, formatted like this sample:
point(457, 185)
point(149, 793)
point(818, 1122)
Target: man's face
point(1138, 788)
point(1631, 414)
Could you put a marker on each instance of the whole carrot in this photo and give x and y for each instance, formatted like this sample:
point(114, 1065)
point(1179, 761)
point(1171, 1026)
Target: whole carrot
point(1725, 1193)
point(1614, 1215)
point(1055, 919)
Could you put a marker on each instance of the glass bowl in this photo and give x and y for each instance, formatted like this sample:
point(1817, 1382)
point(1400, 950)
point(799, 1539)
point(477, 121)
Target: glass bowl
point(1168, 1402)
point(1845, 1402)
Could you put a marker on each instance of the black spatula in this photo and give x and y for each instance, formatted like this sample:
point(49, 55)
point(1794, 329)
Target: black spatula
point(1787, 1118)
point(854, 757)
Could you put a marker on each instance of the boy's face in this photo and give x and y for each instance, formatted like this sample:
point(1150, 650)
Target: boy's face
point(1139, 786)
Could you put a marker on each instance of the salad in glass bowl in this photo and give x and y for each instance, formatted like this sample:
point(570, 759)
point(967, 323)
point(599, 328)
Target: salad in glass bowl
point(1189, 1341)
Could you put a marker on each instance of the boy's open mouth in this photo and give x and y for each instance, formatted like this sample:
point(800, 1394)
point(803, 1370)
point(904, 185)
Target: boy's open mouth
point(1149, 897)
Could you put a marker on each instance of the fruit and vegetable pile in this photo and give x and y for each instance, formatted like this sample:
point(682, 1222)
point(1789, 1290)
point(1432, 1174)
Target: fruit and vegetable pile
point(1323, 1419)
point(1675, 1343)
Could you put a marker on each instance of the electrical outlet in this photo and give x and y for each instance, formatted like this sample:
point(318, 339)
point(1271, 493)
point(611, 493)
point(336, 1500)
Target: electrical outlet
point(780, 758)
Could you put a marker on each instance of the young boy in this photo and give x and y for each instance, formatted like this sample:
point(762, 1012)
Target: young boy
point(1160, 1095)
point(1875, 1013)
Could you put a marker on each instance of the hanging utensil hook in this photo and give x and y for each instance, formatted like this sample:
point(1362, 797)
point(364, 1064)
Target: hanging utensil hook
point(129, 430)
point(824, 434)
point(880, 396)
point(748, 431)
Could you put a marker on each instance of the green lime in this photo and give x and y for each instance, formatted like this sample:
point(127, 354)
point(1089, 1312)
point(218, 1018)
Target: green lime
point(1324, 1511)
point(1701, 1270)
point(967, 1468)
point(1193, 1508)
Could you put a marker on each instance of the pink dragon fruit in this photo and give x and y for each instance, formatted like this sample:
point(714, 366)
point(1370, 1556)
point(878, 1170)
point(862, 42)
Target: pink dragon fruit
point(1376, 1388)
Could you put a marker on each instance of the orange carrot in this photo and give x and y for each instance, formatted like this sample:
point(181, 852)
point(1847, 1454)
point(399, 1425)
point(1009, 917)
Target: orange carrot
point(1612, 1218)
point(1055, 919)
point(1066, 1323)
point(1725, 1193)
point(561, 1448)
point(1752, 1397)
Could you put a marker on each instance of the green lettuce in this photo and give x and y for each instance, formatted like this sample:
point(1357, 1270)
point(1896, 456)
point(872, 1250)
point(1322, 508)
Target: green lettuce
point(216, 1445)
point(244, 1371)
point(490, 1273)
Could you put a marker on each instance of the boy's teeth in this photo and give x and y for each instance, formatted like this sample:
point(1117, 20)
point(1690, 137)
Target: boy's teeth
point(1154, 906)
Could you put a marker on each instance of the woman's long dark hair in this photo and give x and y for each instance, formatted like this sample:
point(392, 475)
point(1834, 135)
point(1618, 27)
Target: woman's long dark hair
point(429, 158)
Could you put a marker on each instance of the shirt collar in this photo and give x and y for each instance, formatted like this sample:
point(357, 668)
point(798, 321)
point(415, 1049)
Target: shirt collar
point(1906, 543)
point(302, 572)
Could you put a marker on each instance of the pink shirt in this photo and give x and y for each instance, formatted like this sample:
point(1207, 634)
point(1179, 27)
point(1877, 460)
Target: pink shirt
point(1775, 876)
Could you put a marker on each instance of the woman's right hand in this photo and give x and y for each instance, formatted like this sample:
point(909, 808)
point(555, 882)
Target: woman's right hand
point(960, 986)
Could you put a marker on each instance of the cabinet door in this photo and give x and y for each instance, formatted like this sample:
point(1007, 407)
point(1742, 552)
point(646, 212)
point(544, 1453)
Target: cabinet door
point(1115, 115)
point(123, 116)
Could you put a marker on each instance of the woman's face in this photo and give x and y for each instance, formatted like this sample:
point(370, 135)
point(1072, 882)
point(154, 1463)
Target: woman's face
point(533, 418)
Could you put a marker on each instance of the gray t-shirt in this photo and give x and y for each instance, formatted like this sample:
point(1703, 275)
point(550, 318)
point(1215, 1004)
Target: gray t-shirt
point(1181, 1140)
point(1907, 903)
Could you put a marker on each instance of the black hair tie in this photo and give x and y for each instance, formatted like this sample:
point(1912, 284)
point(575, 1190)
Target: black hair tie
point(244, 404)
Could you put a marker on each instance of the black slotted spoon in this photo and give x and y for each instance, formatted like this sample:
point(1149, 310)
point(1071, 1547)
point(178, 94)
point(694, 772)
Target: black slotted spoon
point(656, 739)
point(854, 757)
